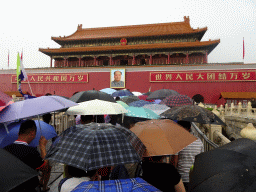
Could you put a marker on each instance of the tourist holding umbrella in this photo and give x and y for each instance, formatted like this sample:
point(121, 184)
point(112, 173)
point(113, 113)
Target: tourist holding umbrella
point(82, 147)
point(177, 100)
point(228, 168)
point(192, 113)
point(13, 172)
point(161, 94)
point(91, 95)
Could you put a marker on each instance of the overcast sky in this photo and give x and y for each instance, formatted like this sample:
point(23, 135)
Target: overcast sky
point(29, 25)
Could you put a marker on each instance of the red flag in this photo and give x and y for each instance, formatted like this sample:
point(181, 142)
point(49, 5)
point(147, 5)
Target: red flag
point(243, 48)
point(8, 59)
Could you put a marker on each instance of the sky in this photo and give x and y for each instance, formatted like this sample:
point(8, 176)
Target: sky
point(29, 25)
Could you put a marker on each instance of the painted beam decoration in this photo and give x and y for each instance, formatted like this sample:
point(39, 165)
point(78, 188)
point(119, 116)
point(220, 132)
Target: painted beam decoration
point(203, 76)
point(55, 78)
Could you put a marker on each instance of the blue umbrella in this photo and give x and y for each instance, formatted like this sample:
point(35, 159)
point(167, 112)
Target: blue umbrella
point(140, 103)
point(157, 101)
point(34, 107)
point(47, 131)
point(108, 91)
point(132, 184)
point(122, 93)
point(141, 113)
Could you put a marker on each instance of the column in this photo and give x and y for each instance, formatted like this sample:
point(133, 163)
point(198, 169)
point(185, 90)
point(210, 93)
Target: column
point(65, 62)
point(206, 57)
point(95, 61)
point(110, 60)
point(150, 59)
point(187, 60)
point(168, 59)
point(51, 62)
point(79, 61)
point(133, 60)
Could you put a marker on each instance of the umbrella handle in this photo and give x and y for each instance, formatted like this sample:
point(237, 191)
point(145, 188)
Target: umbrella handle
point(39, 126)
point(6, 128)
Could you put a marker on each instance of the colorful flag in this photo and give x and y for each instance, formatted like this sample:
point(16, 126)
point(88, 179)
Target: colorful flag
point(243, 48)
point(23, 72)
point(18, 70)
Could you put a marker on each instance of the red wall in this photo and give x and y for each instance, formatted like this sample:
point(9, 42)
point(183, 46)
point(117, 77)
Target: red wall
point(135, 81)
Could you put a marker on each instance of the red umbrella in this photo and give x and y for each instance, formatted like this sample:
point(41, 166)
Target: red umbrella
point(144, 97)
point(177, 100)
point(4, 99)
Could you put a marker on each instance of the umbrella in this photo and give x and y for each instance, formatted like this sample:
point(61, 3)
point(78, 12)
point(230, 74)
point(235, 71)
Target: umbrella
point(230, 167)
point(136, 93)
point(162, 93)
point(140, 103)
point(122, 103)
point(34, 107)
point(47, 131)
point(96, 145)
point(122, 93)
point(133, 184)
point(148, 93)
point(177, 100)
point(129, 99)
point(2, 107)
point(108, 91)
point(141, 112)
point(157, 101)
point(91, 95)
point(157, 108)
point(13, 171)
point(162, 136)
point(192, 113)
point(96, 107)
point(144, 97)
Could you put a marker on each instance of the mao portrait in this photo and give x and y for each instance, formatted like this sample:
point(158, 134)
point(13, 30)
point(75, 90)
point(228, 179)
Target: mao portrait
point(117, 78)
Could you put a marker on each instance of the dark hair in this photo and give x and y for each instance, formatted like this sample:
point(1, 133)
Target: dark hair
point(117, 71)
point(86, 118)
point(76, 172)
point(117, 98)
point(185, 124)
point(47, 117)
point(153, 158)
point(48, 94)
point(99, 119)
point(27, 126)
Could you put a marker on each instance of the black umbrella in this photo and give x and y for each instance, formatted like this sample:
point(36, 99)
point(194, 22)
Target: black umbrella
point(192, 113)
point(91, 95)
point(161, 94)
point(13, 172)
point(96, 145)
point(231, 167)
point(129, 99)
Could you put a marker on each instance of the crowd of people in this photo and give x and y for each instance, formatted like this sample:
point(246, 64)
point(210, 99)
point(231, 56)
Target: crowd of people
point(165, 176)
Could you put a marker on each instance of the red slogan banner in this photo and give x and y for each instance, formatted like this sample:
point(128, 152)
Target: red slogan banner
point(55, 78)
point(203, 76)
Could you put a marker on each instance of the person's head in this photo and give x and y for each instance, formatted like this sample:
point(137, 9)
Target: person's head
point(185, 124)
point(27, 131)
point(117, 76)
point(48, 94)
point(118, 98)
point(47, 118)
point(86, 119)
point(155, 159)
point(99, 119)
point(76, 172)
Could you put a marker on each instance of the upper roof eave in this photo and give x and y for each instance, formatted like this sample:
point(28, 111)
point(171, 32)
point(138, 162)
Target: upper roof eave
point(73, 37)
point(131, 47)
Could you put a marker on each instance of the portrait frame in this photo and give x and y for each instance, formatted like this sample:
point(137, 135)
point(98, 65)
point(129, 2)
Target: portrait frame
point(113, 83)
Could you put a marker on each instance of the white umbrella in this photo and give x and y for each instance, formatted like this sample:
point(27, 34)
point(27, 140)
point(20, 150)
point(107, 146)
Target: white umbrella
point(137, 93)
point(96, 107)
point(157, 108)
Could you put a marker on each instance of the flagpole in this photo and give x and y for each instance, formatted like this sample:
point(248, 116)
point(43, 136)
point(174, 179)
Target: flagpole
point(243, 49)
point(27, 77)
point(8, 59)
